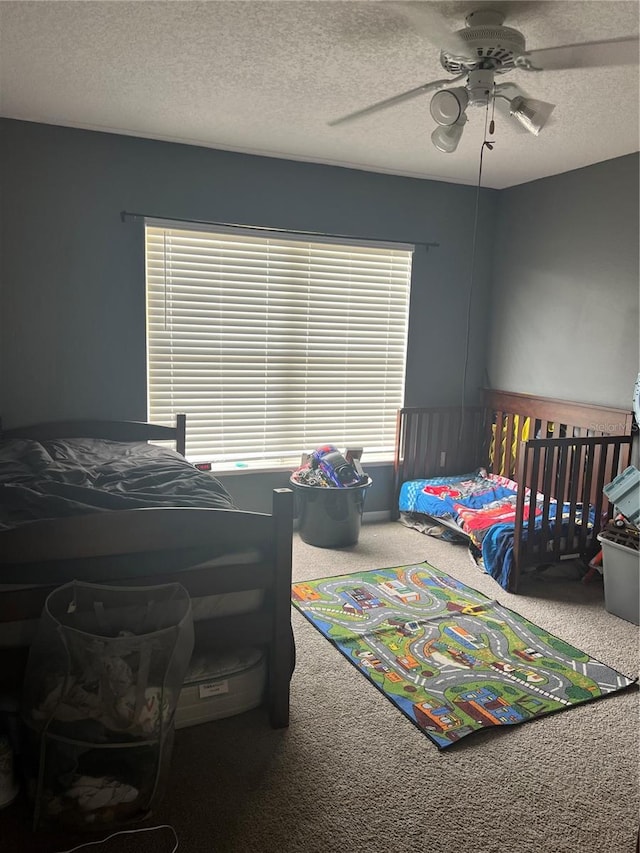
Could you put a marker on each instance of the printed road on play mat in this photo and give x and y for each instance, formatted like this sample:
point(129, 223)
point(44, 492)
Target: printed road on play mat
point(451, 659)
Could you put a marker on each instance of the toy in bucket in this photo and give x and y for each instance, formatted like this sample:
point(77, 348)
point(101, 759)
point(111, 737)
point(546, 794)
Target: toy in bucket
point(335, 467)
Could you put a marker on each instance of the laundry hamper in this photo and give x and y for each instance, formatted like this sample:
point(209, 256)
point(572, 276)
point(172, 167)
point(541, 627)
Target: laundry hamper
point(100, 691)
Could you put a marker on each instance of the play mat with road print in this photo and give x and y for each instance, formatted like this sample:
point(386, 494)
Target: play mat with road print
point(451, 659)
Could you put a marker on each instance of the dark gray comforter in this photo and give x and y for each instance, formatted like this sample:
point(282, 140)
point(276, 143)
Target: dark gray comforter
point(64, 477)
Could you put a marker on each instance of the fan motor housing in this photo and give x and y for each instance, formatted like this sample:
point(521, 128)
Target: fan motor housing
point(491, 47)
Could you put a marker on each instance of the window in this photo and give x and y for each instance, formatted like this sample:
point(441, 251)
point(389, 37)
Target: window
point(275, 344)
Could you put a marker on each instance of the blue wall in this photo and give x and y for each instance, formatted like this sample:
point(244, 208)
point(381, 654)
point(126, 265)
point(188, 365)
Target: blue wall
point(555, 288)
point(72, 328)
point(564, 321)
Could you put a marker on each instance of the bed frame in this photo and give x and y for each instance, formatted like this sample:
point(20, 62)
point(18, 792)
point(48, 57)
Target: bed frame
point(576, 449)
point(138, 547)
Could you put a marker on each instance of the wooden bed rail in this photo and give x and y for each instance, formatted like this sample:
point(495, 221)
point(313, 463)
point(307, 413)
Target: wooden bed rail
point(179, 544)
point(437, 441)
point(571, 472)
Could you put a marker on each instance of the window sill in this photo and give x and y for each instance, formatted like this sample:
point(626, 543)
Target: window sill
point(258, 468)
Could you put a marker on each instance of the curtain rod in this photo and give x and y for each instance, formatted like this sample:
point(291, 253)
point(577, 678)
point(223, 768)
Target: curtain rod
point(126, 214)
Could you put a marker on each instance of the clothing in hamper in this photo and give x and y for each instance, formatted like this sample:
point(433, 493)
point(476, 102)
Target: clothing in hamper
point(99, 698)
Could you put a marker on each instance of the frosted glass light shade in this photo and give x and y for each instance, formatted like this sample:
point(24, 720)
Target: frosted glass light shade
point(532, 114)
point(448, 105)
point(446, 139)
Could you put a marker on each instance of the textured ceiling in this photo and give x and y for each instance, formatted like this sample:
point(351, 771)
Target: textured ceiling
point(266, 77)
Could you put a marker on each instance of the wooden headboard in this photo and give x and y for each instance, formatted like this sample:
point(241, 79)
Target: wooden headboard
point(520, 417)
point(112, 430)
point(590, 419)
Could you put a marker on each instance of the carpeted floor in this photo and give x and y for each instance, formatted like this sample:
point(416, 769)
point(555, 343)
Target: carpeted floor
point(352, 775)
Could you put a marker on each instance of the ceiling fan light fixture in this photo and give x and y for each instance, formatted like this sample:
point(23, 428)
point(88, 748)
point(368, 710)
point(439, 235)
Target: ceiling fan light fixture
point(532, 114)
point(448, 105)
point(446, 138)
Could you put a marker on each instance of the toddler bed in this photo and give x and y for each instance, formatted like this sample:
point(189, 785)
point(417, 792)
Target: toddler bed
point(94, 501)
point(521, 476)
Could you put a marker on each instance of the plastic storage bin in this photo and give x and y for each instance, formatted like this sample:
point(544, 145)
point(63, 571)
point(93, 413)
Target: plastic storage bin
point(329, 517)
point(624, 493)
point(621, 573)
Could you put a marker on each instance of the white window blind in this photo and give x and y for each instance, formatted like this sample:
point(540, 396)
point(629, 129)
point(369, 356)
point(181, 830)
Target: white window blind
point(273, 345)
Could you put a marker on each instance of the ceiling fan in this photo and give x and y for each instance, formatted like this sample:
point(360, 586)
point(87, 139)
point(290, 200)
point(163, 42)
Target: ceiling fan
point(478, 54)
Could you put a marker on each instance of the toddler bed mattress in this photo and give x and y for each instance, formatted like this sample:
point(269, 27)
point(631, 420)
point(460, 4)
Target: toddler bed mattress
point(482, 507)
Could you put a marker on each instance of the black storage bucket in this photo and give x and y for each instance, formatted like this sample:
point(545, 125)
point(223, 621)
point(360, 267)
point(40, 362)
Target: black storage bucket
point(329, 518)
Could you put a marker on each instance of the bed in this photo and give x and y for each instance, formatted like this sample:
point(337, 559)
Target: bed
point(86, 500)
point(537, 465)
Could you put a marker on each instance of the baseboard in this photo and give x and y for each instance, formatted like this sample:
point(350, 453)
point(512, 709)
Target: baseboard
point(377, 515)
point(367, 517)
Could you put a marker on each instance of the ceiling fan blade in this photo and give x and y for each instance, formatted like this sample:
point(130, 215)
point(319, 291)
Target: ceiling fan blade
point(507, 90)
point(428, 22)
point(594, 54)
point(397, 99)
